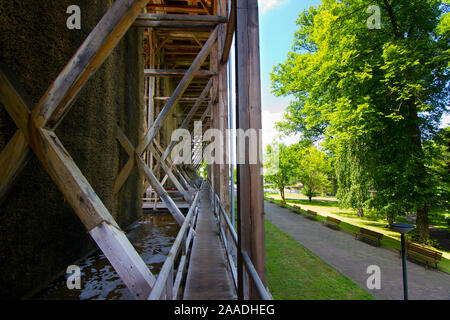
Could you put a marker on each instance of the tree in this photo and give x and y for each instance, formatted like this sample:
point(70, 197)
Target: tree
point(280, 163)
point(353, 180)
point(379, 93)
point(313, 171)
point(437, 155)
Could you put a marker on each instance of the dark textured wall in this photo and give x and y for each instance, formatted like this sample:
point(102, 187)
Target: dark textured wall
point(40, 235)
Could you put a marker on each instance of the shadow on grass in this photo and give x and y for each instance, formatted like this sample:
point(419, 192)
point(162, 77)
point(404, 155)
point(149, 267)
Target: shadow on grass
point(319, 203)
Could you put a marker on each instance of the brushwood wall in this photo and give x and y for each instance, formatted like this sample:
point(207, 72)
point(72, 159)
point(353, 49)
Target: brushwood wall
point(40, 235)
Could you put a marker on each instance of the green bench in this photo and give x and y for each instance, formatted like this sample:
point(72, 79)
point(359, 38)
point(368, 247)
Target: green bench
point(370, 236)
point(422, 254)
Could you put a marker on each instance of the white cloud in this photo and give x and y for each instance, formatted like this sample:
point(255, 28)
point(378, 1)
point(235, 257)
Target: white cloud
point(269, 132)
point(267, 5)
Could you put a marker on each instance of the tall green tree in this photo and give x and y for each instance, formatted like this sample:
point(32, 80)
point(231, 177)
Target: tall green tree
point(281, 165)
point(312, 171)
point(376, 93)
point(354, 182)
point(437, 154)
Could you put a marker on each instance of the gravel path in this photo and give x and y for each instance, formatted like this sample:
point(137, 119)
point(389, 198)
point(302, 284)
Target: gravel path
point(352, 258)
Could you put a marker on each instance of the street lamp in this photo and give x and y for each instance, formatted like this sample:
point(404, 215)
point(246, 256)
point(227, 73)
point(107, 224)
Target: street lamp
point(403, 229)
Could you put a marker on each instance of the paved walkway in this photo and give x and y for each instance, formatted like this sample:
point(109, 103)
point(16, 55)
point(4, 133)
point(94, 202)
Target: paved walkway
point(352, 258)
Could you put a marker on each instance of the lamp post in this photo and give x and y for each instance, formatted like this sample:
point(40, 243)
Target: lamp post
point(403, 229)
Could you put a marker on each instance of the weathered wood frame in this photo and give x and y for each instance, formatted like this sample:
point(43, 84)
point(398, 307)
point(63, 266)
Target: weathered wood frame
point(167, 286)
point(36, 132)
point(251, 229)
point(35, 135)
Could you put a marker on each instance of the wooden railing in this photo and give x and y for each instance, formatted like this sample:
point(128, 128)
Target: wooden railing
point(167, 286)
point(231, 251)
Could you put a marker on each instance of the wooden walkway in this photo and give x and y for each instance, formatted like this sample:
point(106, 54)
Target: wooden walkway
point(208, 277)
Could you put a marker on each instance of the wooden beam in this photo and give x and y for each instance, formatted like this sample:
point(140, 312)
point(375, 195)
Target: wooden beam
point(174, 24)
point(180, 17)
point(224, 191)
point(250, 180)
point(126, 171)
point(176, 8)
point(170, 174)
point(76, 189)
point(125, 260)
point(174, 168)
point(231, 25)
point(13, 158)
point(181, 100)
point(177, 94)
point(69, 179)
point(176, 73)
point(176, 213)
point(167, 269)
point(206, 7)
point(189, 117)
point(123, 175)
point(96, 48)
point(155, 184)
point(14, 99)
point(91, 211)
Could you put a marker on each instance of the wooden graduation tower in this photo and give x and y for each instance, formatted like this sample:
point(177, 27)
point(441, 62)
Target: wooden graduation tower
point(186, 47)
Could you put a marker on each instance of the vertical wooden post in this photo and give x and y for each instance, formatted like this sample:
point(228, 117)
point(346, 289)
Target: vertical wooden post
point(215, 109)
point(224, 192)
point(250, 180)
point(150, 96)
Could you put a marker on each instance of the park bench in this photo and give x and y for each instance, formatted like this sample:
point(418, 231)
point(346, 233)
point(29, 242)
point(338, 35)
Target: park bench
point(311, 215)
point(332, 223)
point(369, 236)
point(296, 209)
point(426, 255)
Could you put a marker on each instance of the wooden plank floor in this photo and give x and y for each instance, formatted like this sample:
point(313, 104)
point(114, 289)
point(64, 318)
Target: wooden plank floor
point(208, 278)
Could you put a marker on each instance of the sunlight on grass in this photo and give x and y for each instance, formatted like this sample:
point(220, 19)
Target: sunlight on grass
point(293, 273)
point(351, 222)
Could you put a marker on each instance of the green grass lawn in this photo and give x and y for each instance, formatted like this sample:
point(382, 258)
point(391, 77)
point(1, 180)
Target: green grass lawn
point(294, 273)
point(350, 221)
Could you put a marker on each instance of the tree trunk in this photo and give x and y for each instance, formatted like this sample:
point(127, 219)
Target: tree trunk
point(360, 212)
point(422, 224)
point(422, 212)
point(283, 200)
point(390, 218)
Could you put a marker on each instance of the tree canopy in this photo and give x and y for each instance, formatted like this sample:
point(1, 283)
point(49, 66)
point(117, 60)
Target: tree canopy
point(374, 96)
point(281, 166)
point(297, 163)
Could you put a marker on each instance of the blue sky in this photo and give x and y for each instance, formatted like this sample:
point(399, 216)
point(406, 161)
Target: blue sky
point(277, 26)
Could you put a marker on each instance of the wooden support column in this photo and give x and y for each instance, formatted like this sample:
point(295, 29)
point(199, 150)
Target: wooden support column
point(250, 180)
point(223, 192)
point(215, 111)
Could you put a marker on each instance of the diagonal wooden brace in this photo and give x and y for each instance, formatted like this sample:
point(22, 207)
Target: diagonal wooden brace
point(56, 102)
point(178, 93)
point(173, 100)
point(156, 185)
point(170, 174)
